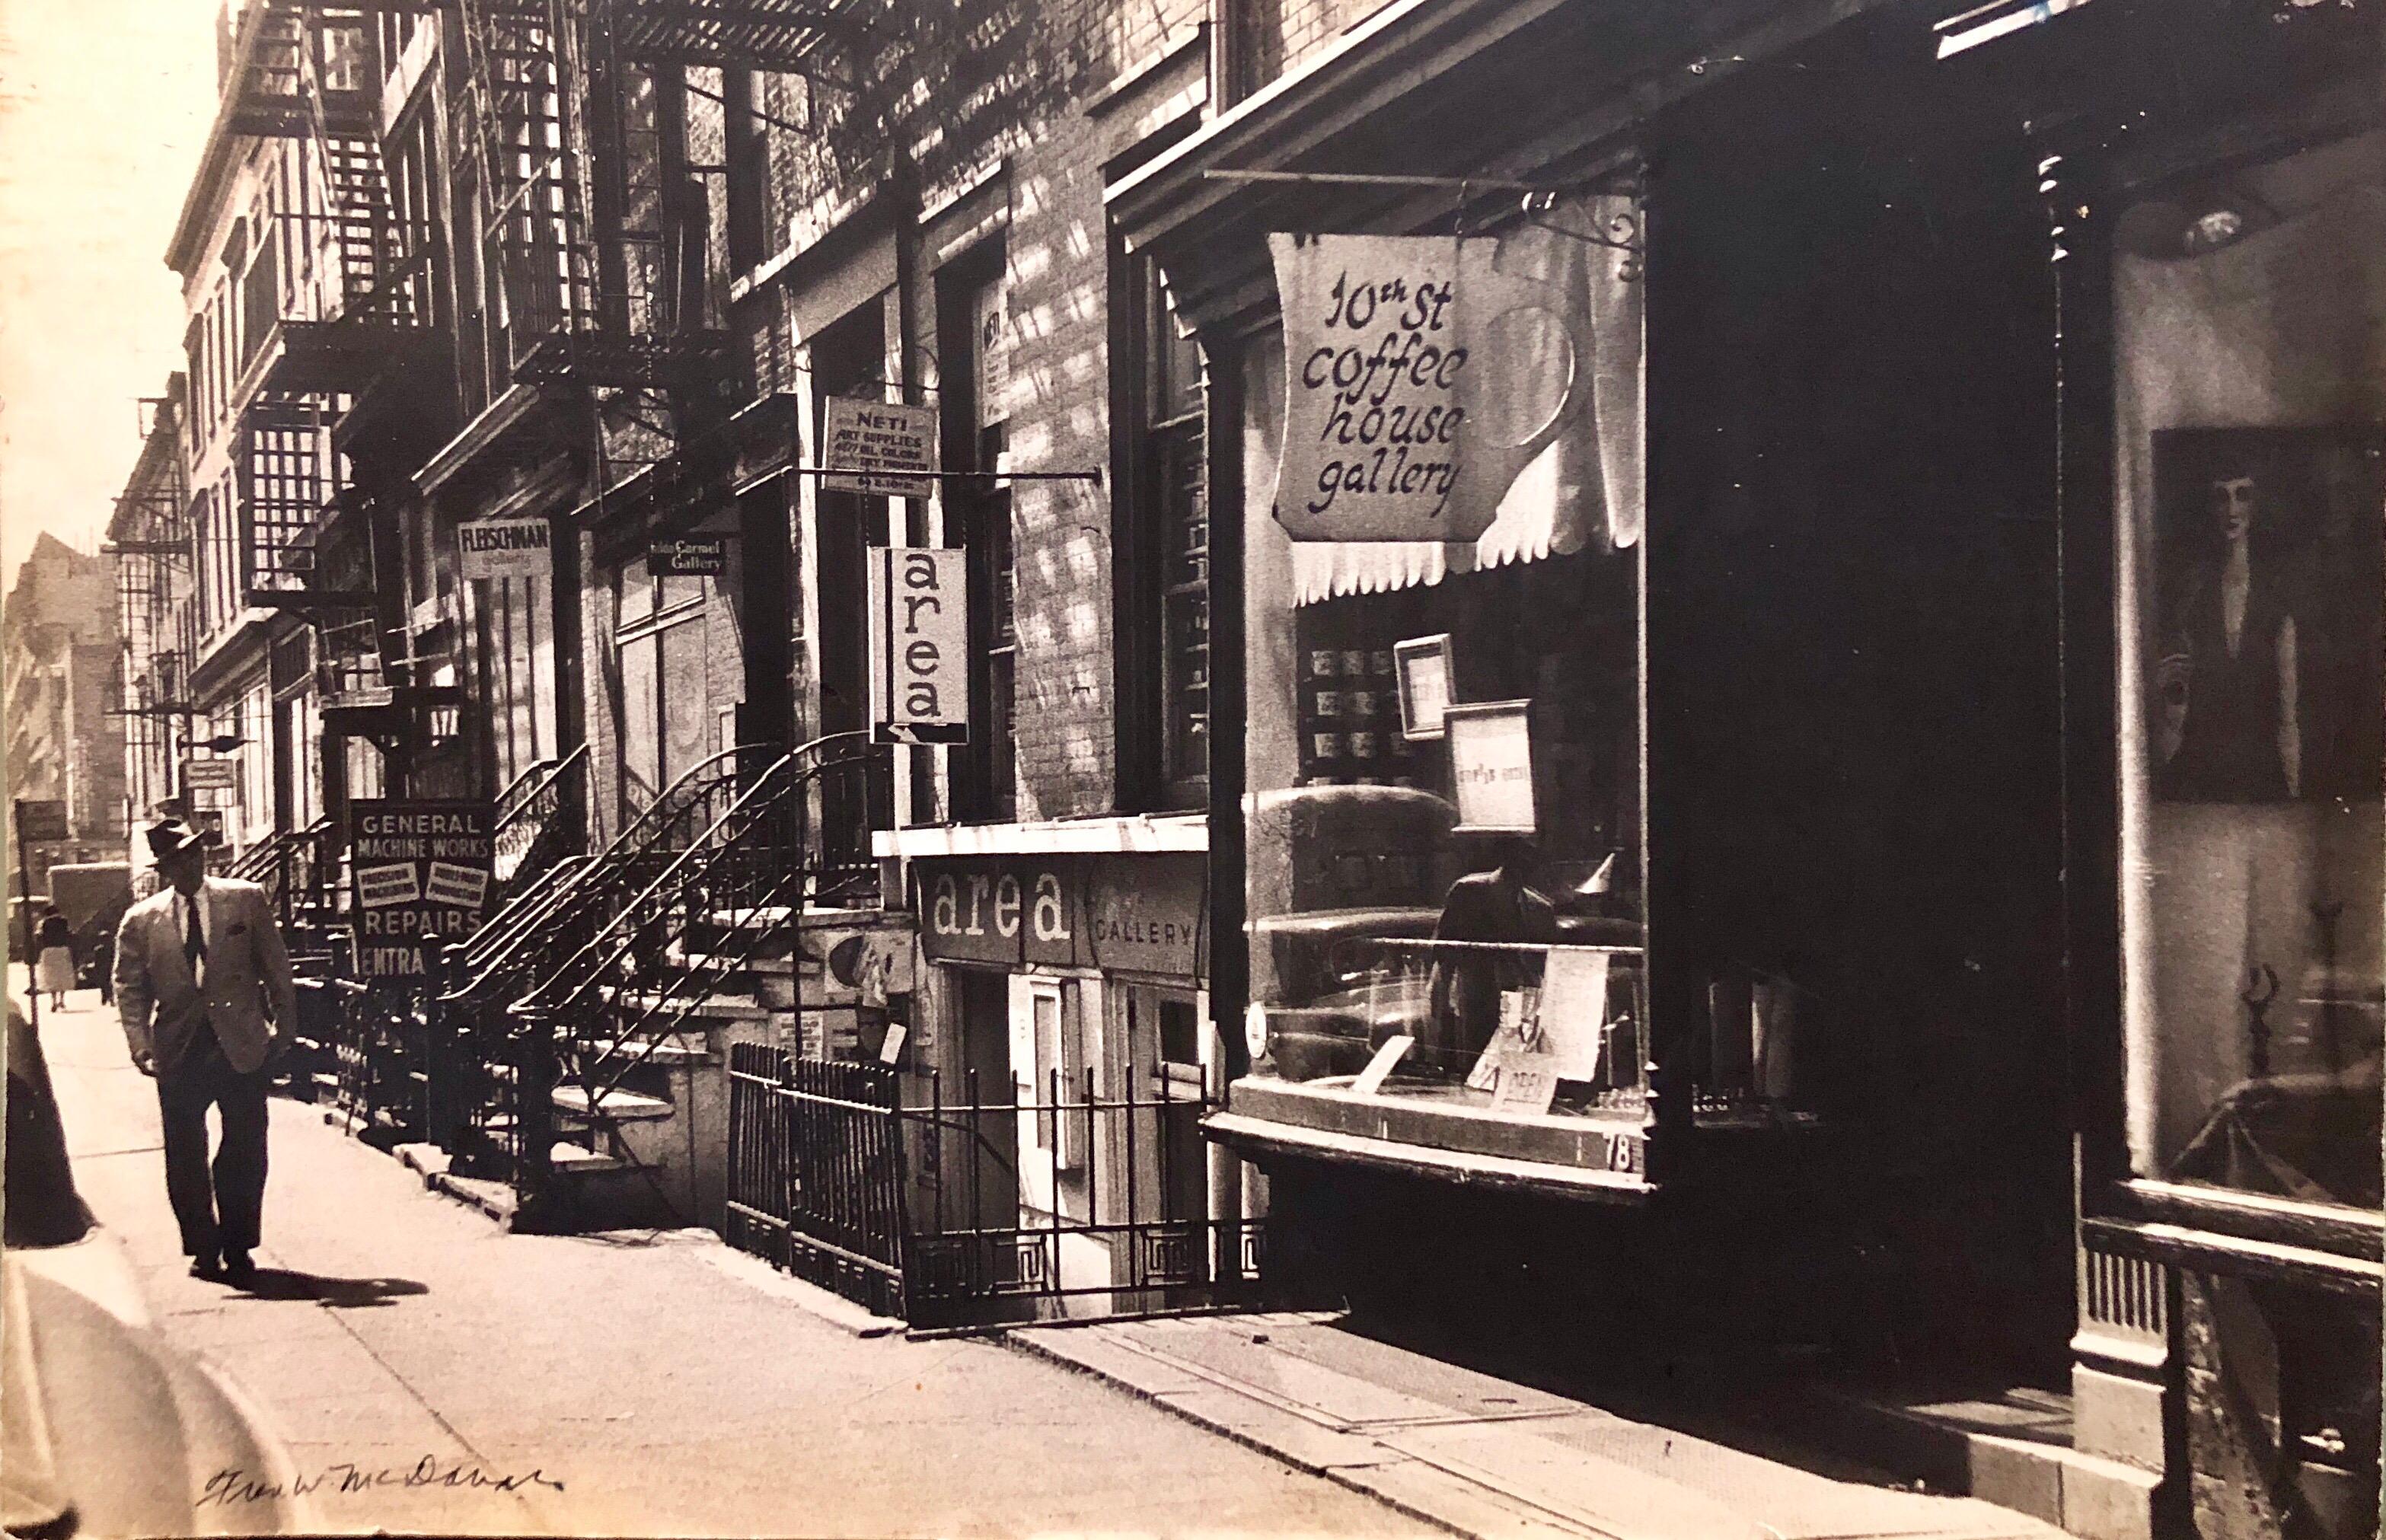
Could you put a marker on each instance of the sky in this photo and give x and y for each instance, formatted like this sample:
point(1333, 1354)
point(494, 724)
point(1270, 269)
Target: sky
point(103, 108)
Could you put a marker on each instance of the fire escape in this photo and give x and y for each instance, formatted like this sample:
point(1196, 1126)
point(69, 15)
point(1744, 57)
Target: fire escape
point(586, 295)
point(149, 536)
point(338, 302)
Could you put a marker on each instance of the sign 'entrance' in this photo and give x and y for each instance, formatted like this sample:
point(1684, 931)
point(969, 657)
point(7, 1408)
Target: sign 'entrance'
point(919, 646)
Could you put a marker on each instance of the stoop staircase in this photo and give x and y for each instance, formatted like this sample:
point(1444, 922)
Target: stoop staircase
point(615, 982)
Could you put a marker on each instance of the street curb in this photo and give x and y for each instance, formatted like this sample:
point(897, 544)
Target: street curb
point(491, 1198)
point(1349, 1478)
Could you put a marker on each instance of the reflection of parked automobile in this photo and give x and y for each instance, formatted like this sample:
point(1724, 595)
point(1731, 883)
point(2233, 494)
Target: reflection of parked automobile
point(107, 1430)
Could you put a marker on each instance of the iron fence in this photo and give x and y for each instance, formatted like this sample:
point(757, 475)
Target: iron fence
point(1053, 1203)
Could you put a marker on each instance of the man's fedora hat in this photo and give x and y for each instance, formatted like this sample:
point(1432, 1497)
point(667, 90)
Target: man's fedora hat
point(170, 836)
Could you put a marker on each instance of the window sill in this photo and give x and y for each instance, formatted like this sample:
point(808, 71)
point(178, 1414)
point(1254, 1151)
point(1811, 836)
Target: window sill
point(1599, 1157)
point(2233, 1256)
point(2228, 1217)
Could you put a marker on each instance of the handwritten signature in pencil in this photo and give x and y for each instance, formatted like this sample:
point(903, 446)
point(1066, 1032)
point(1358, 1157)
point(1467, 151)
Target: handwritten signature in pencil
point(234, 1484)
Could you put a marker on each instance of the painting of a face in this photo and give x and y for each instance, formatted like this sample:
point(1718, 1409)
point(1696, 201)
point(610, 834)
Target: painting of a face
point(2234, 499)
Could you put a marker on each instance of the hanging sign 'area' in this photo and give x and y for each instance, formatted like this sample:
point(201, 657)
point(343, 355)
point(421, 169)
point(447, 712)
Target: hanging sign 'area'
point(919, 646)
point(1420, 377)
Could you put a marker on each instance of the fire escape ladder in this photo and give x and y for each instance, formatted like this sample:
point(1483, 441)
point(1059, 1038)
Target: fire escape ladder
point(521, 65)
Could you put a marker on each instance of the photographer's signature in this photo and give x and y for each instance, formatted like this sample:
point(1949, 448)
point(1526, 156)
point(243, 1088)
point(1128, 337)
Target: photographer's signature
point(234, 1484)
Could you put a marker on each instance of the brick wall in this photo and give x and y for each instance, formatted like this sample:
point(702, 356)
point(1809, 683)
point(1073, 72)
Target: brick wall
point(1004, 80)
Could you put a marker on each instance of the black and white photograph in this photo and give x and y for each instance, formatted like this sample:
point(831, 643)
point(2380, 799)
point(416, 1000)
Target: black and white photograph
point(1241, 769)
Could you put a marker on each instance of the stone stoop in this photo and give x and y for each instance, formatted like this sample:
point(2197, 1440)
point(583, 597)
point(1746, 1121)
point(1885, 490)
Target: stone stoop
point(2012, 1450)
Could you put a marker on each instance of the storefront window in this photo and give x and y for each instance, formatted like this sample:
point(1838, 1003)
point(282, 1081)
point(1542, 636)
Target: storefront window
point(2250, 324)
point(1443, 743)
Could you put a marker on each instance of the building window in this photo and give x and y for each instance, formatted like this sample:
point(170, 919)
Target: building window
point(1443, 752)
point(2250, 699)
point(1164, 542)
point(970, 330)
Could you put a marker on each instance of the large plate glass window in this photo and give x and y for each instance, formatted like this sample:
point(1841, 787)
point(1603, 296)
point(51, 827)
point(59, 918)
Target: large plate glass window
point(2250, 324)
point(1443, 751)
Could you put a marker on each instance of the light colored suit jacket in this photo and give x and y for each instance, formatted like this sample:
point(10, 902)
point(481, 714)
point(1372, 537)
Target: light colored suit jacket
point(247, 974)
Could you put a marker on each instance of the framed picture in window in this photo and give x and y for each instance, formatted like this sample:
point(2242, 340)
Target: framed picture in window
point(1424, 667)
point(1491, 767)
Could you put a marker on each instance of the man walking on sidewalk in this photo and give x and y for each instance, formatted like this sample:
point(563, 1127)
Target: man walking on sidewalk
point(198, 967)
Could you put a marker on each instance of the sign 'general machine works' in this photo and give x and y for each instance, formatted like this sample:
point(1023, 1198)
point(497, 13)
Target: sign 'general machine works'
point(1420, 377)
point(421, 875)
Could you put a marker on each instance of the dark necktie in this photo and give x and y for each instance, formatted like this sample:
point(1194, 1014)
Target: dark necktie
point(194, 940)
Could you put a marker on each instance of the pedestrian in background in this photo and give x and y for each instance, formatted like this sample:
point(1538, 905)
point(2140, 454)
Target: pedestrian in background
point(203, 988)
point(53, 951)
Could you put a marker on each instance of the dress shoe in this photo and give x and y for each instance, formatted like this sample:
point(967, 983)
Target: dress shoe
point(206, 1265)
point(239, 1270)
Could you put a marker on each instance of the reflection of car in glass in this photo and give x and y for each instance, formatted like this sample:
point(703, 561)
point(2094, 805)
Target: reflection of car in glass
point(1347, 886)
point(107, 1429)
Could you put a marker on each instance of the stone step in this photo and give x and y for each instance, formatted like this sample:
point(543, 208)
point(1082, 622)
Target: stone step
point(565, 1158)
point(617, 1106)
point(723, 1006)
point(662, 1055)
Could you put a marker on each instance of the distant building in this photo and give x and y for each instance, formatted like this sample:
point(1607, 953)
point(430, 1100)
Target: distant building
point(59, 641)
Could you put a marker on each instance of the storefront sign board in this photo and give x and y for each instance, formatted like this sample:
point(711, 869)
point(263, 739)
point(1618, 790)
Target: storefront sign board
point(43, 820)
point(697, 556)
point(919, 645)
point(1145, 914)
point(1420, 377)
point(214, 775)
point(1122, 913)
point(505, 548)
point(1008, 911)
point(878, 448)
point(421, 875)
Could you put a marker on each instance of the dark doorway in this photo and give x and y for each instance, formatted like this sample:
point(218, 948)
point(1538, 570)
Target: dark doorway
point(1854, 751)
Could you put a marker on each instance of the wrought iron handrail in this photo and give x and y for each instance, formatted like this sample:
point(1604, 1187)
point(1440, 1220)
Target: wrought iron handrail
point(533, 807)
point(502, 943)
point(572, 984)
point(267, 864)
point(787, 875)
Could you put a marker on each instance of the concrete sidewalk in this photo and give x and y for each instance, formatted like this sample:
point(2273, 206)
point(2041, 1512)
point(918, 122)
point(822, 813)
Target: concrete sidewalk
point(1483, 1457)
point(656, 1383)
point(661, 1383)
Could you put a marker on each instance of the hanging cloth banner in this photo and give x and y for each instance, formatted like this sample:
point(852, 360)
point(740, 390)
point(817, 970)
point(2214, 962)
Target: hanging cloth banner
point(1421, 374)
